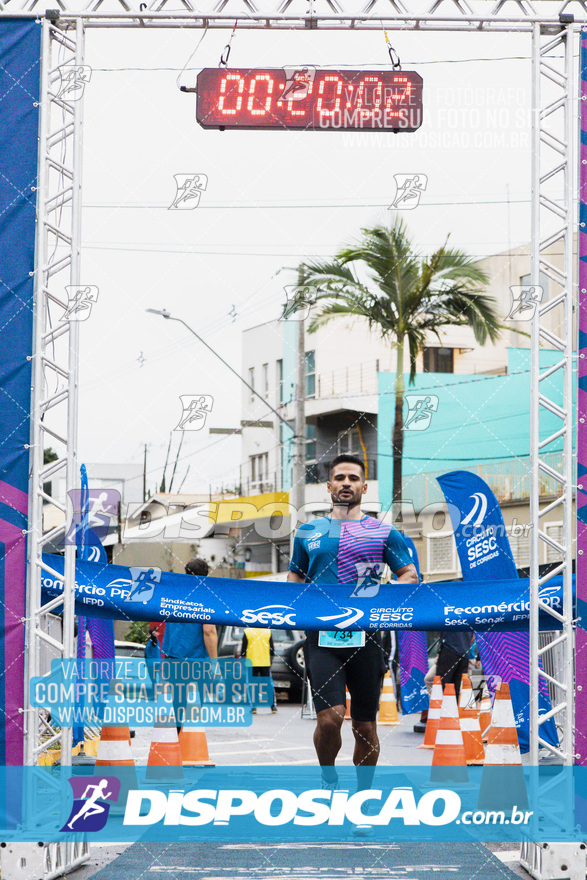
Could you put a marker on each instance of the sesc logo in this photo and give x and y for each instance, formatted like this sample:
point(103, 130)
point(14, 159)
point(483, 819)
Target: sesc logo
point(270, 614)
point(347, 618)
point(477, 513)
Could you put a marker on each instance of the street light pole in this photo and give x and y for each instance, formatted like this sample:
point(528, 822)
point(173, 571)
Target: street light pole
point(165, 314)
point(297, 494)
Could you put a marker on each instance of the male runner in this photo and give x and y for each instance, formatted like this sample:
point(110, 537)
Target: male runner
point(347, 547)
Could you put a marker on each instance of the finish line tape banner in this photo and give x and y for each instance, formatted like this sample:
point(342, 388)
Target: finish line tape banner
point(114, 591)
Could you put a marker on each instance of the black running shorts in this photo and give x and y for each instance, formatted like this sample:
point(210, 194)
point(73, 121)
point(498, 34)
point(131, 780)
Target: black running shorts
point(361, 670)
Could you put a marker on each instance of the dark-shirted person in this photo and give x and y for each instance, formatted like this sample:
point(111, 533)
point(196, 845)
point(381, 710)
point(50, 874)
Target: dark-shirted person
point(189, 641)
point(453, 658)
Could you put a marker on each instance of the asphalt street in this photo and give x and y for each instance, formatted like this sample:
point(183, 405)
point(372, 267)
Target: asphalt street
point(285, 739)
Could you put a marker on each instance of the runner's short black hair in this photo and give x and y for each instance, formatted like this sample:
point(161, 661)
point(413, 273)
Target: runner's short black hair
point(346, 458)
point(197, 566)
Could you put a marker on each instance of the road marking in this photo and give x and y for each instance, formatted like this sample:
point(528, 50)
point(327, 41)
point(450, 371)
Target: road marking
point(342, 845)
point(510, 855)
point(239, 742)
point(270, 751)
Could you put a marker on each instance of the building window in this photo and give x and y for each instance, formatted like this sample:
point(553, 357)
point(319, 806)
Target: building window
point(279, 380)
point(438, 360)
point(260, 473)
point(310, 374)
point(252, 382)
point(442, 553)
point(544, 281)
point(554, 531)
point(520, 545)
point(349, 442)
point(265, 381)
point(310, 443)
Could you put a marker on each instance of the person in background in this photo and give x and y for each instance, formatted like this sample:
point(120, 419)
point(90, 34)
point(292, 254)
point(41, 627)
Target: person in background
point(453, 658)
point(257, 646)
point(190, 641)
point(153, 656)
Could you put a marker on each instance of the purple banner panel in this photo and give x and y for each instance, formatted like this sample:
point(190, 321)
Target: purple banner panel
point(413, 658)
point(413, 653)
point(485, 553)
point(20, 62)
point(581, 633)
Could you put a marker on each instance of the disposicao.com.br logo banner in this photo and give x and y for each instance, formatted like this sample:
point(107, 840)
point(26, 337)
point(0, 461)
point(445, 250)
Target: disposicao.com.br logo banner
point(232, 804)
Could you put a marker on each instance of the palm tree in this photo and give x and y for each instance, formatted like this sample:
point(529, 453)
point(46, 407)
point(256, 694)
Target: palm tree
point(405, 297)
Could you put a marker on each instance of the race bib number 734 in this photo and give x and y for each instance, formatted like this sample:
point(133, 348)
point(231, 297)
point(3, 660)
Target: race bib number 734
point(340, 639)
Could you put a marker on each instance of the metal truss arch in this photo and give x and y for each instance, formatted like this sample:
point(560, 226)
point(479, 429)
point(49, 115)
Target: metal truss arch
point(54, 410)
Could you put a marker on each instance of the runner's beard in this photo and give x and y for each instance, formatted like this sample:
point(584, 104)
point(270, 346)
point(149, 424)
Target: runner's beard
point(352, 501)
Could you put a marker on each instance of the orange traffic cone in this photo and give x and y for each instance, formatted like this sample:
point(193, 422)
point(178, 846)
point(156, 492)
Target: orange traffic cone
point(503, 786)
point(388, 706)
point(114, 758)
point(485, 713)
point(347, 713)
point(448, 761)
point(194, 747)
point(469, 718)
point(433, 714)
point(164, 762)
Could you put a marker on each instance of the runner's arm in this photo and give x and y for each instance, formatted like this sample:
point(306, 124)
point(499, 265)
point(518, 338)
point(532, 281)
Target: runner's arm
point(210, 639)
point(407, 574)
point(295, 578)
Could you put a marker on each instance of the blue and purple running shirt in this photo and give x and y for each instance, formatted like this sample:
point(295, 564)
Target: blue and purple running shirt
point(336, 551)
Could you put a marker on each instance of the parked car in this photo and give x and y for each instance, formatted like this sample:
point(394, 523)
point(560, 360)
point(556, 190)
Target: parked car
point(287, 666)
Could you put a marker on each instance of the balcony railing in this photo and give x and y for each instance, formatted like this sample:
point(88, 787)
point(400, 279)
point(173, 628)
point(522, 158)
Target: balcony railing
point(352, 379)
point(508, 480)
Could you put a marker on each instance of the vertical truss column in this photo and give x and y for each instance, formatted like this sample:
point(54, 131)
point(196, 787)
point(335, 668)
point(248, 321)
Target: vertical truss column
point(581, 655)
point(554, 132)
point(54, 396)
point(553, 139)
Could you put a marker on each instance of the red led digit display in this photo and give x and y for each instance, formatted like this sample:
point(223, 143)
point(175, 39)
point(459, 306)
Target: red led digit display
point(319, 100)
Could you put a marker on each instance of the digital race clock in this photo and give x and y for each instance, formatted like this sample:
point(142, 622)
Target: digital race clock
point(310, 99)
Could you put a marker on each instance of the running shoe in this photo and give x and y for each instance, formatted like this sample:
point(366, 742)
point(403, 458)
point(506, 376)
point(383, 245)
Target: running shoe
point(329, 785)
point(370, 808)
